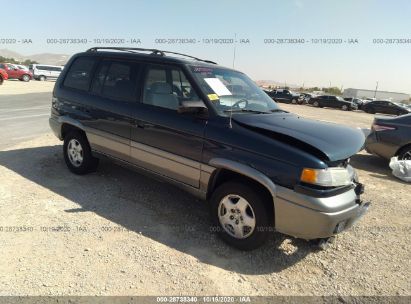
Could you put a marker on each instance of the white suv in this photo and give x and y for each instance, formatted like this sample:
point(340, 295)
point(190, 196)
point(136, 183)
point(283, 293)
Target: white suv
point(43, 72)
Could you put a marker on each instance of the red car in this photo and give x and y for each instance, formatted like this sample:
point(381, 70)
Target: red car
point(16, 73)
point(3, 76)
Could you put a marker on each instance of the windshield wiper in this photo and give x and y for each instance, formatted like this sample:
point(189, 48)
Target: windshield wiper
point(278, 110)
point(245, 111)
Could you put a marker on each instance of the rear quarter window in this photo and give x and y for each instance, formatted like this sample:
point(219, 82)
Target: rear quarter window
point(79, 74)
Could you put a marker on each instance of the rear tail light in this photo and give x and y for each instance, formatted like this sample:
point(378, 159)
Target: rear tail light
point(378, 128)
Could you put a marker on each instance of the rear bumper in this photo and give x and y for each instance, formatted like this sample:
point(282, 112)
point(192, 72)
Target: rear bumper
point(374, 146)
point(310, 218)
point(55, 126)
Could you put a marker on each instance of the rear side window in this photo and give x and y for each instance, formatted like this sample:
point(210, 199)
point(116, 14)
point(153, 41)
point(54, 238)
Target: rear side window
point(116, 80)
point(79, 75)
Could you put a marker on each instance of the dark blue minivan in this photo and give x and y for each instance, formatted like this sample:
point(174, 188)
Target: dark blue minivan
point(213, 132)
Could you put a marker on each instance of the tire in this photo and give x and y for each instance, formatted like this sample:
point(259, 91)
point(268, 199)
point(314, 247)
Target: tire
point(226, 200)
point(1, 80)
point(344, 108)
point(370, 110)
point(294, 101)
point(25, 78)
point(405, 153)
point(42, 78)
point(77, 153)
point(316, 104)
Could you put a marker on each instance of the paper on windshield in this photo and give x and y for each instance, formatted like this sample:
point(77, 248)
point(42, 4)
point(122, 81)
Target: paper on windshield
point(217, 86)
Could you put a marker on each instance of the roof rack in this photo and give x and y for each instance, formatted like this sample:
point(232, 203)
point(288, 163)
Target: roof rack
point(153, 52)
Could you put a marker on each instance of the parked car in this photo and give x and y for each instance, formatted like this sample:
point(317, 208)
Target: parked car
point(44, 72)
point(307, 96)
point(3, 76)
point(286, 96)
point(332, 101)
point(211, 131)
point(359, 102)
point(16, 73)
point(21, 67)
point(390, 136)
point(385, 107)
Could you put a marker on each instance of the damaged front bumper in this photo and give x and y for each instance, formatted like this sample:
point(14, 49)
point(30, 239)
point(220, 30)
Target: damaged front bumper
point(308, 217)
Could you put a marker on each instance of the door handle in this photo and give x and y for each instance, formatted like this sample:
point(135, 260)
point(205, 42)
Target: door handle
point(143, 125)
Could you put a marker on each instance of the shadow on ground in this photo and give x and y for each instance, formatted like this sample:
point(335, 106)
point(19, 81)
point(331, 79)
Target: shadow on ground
point(157, 210)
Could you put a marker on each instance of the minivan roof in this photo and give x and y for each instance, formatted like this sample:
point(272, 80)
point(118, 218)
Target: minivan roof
point(155, 58)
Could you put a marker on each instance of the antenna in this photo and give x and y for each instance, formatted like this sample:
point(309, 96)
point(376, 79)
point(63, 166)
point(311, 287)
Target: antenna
point(231, 110)
point(235, 45)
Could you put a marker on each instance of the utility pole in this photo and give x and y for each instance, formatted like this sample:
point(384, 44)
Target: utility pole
point(375, 92)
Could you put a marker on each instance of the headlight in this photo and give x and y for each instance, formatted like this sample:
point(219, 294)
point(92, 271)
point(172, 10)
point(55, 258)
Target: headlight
point(330, 177)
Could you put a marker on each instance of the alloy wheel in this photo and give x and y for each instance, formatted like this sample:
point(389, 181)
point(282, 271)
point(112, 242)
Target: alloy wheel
point(406, 155)
point(236, 216)
point(75, 152)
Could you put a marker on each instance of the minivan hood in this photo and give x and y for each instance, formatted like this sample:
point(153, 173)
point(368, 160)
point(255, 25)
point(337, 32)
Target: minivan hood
point(334, 141)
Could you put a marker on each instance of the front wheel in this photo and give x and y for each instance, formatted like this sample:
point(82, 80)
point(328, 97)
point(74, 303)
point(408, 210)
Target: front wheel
point(316, 104)
point(405, 153)
point(77, 153)
point(294, 101)
point(42, 78)
point(240, 215)
point(344, 108)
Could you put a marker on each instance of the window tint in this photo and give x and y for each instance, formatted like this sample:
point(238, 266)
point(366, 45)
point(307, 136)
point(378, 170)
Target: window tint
point(167, 88)
point(116, 80)
point(78, 76)
point(99, 77)
point(119, 82)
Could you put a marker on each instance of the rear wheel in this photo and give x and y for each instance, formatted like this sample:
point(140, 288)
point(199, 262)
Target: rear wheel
point(344, 108)
point(405, 153)
point(240, 216)
point(77, 153)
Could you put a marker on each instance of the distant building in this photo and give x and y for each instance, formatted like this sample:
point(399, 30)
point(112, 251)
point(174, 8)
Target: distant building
point(360, 93)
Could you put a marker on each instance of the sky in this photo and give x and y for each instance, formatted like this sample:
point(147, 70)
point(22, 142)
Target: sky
point(358, 65)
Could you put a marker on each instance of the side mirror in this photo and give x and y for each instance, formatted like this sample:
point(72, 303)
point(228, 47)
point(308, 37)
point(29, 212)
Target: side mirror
point(192, 106)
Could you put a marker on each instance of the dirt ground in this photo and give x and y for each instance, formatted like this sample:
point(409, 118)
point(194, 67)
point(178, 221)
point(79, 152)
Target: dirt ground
point(117, 232)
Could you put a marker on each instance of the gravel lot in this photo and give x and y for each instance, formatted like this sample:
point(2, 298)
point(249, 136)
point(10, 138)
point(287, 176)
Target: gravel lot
point(117, 232)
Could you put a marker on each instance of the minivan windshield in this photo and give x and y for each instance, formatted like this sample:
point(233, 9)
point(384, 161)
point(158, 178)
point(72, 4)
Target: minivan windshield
point(232, 91)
